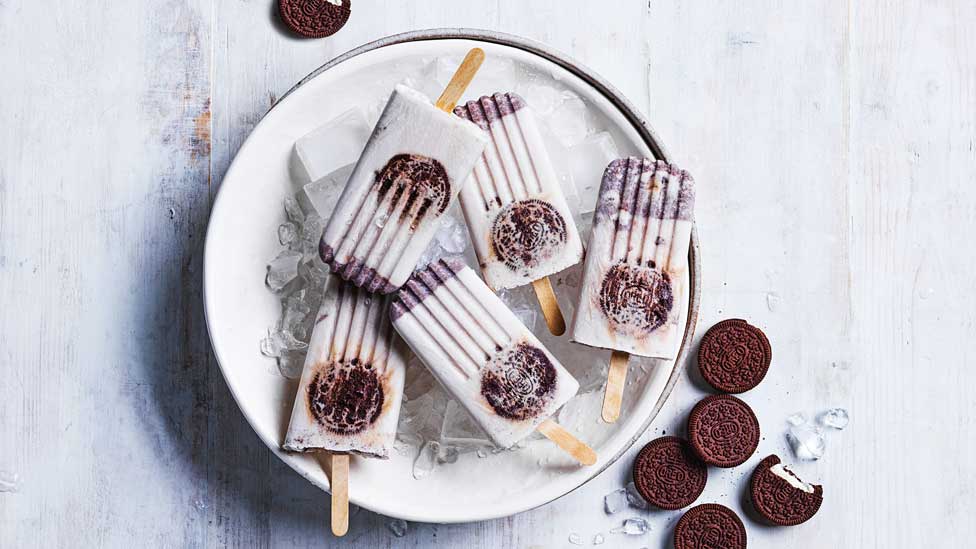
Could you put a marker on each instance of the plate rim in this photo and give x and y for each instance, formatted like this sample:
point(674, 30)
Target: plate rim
point(640, 125)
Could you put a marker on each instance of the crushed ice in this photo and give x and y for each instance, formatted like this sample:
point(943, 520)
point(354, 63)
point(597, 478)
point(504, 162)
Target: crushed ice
point(398, 527)
point(633, 527)
point(835, 418)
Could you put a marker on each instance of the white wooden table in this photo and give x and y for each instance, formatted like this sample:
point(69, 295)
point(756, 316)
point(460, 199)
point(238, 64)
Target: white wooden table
point(835, 147)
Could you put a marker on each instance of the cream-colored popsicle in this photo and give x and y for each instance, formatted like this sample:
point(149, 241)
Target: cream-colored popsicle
point(412, 167)
point(516, 213)
point(637, 260)
point(635, 274)
point(477, 348)
point(352, 382)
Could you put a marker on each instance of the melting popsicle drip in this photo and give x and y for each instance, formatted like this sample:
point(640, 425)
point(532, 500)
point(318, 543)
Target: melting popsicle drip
point(528, 233)
point(636, 300)
point(518, 382)
point(346, 398)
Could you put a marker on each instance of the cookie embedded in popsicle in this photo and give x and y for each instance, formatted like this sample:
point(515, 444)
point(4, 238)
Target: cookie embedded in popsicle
point(411, 169)
point(515, 210)
point(636, 271)
point(480, 352)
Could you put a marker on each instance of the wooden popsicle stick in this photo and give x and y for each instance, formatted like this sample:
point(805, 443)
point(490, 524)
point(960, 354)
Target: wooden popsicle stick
point(459, 82)
point(340, 494)
point(549, 305)
point(565, 440)
point(614, 394)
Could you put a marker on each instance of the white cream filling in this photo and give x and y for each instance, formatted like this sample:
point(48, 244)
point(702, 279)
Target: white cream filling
point(780, 470)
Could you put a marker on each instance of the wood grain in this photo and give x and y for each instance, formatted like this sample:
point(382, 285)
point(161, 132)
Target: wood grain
point(613, 392)
point(833, 144)
point(550, 306)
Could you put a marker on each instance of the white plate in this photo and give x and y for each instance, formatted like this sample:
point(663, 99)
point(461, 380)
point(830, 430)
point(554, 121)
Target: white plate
point(241, 239)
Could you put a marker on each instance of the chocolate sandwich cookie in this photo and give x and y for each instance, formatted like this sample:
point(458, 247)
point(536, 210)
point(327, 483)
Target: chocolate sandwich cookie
point(314, 18)
point(734, 356)
point(710, 526)
point(781, 497)
point(723, 430)
point(668, 474)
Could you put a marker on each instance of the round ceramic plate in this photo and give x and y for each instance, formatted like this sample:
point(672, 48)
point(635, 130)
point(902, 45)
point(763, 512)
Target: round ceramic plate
point(241, 239)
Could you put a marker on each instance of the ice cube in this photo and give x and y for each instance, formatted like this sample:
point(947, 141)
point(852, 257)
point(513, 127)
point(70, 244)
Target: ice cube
point(282, 270)
point(336, 143)
point(528, 316)
point(807, 441)
point(460, 431)
point(543, 98)
point(634, 499)
point(798, 418)
point(287, 233)
point(452, 235)
point(278, 341)
point(322, 195)
point(633, 527)
point(311, 233)
point(835, 418)
point(290, 364)
point(575, 538)
point(615, 501)
point(426, 460)
point(398, 527)
point(9, 482)
point(448, 454)
point(569, 120)
point(599, 539)
point(772, 301)
point(587, 161)
point(293, 210)
point(423, 416)
point(496, 74)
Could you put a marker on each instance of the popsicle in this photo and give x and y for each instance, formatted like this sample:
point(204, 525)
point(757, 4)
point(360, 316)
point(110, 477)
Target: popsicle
point(412, 167)
point(480, 352)
point(349, 394)
point(515, 210)
point(635, 274)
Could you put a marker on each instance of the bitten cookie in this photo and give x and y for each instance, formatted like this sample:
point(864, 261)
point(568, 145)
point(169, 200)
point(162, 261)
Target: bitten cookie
point(734, 356)
point(668, 474)
point(723, 430)
point(710, 525)
point(314, 18)
point(781, 497)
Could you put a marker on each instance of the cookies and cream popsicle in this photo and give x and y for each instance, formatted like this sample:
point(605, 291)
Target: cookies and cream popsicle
point(352, 382)
point(351, 387)
point(480, 352)
point(413, 165)
point(635, 273)
point(514, 207)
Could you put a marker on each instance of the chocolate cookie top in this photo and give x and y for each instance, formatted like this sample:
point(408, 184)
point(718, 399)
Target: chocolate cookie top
point(734, 356)
point(710, 526)
point(314, 18)
point(668, 474)
point(723, 430)
point(780, 496)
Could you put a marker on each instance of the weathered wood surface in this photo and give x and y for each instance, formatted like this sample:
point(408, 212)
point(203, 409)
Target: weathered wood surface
point(835, 146)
